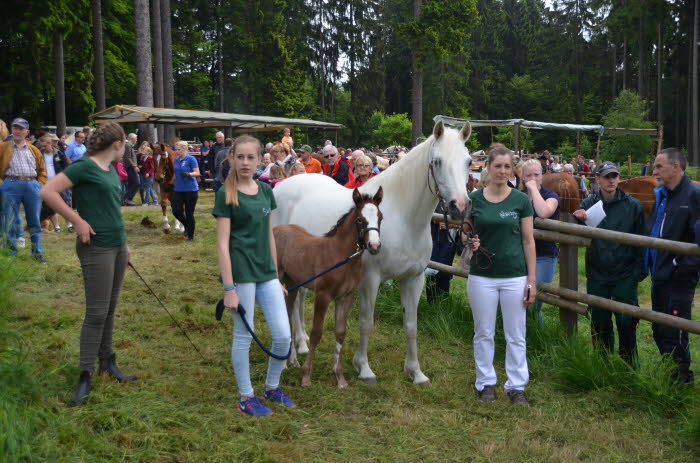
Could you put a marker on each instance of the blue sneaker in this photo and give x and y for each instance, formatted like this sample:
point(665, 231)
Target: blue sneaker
point(252, 406)
point(276, 395)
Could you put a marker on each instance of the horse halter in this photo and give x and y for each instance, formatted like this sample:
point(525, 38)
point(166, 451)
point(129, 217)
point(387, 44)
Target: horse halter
point(361, 242)
point(444, 204)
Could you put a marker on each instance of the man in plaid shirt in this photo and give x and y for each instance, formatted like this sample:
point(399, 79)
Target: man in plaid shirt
point(23, 172)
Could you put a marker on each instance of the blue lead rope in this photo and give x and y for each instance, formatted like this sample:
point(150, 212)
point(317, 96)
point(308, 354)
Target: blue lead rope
point(241, 311)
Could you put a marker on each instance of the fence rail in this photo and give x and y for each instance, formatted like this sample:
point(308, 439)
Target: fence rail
point(571, 236)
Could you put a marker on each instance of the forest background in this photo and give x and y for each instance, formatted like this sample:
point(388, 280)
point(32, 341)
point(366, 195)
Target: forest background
point(382, 68)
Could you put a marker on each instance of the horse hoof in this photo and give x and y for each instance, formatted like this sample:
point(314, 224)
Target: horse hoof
point(305, 382)
point(372, 380)
point(342, 384)
point(303, 348)
point(425, 383)
point(166, 231)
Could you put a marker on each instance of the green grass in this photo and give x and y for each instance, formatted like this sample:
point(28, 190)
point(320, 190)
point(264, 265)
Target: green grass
point(584, 406)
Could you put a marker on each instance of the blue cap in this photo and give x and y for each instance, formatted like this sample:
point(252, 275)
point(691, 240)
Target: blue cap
point(21, 123)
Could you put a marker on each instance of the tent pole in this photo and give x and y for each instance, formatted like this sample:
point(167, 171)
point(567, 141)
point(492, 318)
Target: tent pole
point(517, 139)
point(597, 152)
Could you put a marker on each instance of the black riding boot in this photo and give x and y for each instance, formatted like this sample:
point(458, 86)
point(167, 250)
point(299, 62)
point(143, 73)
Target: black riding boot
point(109, 365)
point(82, 389)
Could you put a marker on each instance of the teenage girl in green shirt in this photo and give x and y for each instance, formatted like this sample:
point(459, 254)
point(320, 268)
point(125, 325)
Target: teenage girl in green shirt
point(100, 245)
point(502, 219)
point(247, 264)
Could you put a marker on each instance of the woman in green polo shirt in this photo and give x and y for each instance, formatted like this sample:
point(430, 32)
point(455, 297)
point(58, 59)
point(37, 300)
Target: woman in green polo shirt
point(247, 264)
point(502, 219)
point(100, 245)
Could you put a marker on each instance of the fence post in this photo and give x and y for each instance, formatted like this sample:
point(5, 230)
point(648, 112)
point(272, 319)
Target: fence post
point(568, 278)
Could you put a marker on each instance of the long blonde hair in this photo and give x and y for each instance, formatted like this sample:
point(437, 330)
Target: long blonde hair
point(3, 131)
point(231, 182)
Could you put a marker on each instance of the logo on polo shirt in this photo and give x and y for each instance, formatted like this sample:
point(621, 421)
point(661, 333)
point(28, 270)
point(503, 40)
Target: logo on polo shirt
point(266, 211)
point(511, 214)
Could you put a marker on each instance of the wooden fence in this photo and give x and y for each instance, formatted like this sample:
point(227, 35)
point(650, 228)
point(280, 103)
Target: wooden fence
point(571, 236)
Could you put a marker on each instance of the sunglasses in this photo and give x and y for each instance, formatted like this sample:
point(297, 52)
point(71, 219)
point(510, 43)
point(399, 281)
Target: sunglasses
point(329, 156)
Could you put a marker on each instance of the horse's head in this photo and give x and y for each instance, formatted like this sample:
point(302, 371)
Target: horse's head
point(368, 219)
point(449, 167)
point(162, 156)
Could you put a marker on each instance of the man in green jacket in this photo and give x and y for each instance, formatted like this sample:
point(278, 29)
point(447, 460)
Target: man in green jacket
point(612, 268)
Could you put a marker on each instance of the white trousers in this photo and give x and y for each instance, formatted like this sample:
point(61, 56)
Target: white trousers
point(484, 296)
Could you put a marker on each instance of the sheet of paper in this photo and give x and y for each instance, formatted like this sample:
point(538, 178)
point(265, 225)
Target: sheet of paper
point(595, 214)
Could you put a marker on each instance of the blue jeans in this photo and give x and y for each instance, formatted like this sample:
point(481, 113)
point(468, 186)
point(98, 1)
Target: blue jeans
point(148, 190)
point(546, 267)
point(270, 298)
point(13, 193)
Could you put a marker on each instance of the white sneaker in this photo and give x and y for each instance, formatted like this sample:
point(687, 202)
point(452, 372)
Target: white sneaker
point(21, 242)
point(144, 204)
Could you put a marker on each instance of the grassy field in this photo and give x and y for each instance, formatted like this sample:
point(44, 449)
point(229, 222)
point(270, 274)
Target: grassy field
point(182, 408)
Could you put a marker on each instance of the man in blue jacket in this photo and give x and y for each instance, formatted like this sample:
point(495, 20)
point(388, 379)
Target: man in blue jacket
point(674, 276)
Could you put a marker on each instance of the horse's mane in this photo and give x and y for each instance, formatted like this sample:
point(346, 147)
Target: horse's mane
point(342, 219)
point(395, 174)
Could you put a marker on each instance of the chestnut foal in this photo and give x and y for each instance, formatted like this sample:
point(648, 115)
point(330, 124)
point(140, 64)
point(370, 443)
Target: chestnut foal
point(301, 255)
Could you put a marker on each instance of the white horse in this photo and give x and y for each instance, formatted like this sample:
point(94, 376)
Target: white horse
point(437, 168)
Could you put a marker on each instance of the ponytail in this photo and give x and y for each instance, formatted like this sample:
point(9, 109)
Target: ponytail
point(231, 182)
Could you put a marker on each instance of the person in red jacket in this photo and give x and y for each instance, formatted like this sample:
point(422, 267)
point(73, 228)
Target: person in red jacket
point(363, 169)
point(148, 168)
point(335, 166)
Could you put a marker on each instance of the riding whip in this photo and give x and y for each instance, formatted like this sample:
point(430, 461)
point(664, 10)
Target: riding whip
point(166, 309)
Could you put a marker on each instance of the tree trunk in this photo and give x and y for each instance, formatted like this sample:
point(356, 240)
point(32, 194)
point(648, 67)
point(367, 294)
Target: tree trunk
point(416, 86)
point(625, 64)
point(220, 72)
point(144, 77)
point(659, 77)
point(168, 78)
point(157, 43)
point(689, 133)
point(641, 66)
point(614, 72)
point(696, 121)
point(98, 51)
point(58, 82)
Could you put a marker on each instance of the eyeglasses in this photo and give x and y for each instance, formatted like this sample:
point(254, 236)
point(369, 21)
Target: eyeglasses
point(363, 165)
point(329, 156)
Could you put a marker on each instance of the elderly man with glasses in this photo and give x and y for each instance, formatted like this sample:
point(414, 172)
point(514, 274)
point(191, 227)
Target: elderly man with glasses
point(335, 167)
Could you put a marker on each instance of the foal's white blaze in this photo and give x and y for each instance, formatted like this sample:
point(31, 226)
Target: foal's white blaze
point(371, 214)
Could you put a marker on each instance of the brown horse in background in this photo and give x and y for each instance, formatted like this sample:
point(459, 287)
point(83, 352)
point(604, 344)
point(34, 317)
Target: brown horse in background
point(165, 170)
point(301, 255)
point(641, 188)
point(566, 187)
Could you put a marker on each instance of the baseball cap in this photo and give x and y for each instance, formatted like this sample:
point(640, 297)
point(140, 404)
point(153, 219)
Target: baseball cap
point(21, 123)
point(54, 137)
point(304, 148)
point(607, 168)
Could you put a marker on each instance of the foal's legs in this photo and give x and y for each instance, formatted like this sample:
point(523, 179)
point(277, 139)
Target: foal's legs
point(300, 336)
point(289, 300)
point(342, 306)
point(320, 307)
point(411, 288)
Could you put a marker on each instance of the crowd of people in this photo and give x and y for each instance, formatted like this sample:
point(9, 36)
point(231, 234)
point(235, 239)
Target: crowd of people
point(89, 180)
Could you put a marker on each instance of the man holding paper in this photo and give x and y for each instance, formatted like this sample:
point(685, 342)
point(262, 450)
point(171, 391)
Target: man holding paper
point(612, 269)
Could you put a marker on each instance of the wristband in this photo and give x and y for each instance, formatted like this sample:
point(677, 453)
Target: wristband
point(230, 288)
